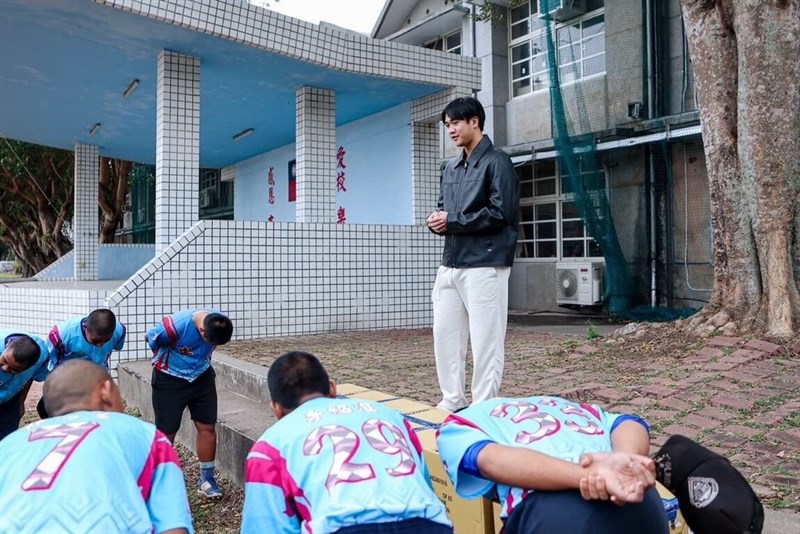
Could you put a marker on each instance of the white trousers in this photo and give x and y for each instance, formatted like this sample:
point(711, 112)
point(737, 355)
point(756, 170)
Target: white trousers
point(469, 304)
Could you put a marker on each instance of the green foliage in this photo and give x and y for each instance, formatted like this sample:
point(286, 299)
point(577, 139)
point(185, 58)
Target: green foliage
point(592, 332)
point(35, 202)
point(488, 12)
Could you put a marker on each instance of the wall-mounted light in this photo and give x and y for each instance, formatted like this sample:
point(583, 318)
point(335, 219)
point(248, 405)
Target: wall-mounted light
point(131, 88)
point(242, 134)
point(93, 129)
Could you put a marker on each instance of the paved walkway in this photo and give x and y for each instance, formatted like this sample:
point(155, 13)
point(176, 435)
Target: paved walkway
point(741, 398)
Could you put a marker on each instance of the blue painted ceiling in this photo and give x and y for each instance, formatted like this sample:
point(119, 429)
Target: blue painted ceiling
point(64, 65)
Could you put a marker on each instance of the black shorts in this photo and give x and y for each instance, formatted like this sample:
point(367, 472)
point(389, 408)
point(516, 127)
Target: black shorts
point(171, 395)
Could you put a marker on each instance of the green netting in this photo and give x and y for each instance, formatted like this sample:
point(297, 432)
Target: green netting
point(636, 232)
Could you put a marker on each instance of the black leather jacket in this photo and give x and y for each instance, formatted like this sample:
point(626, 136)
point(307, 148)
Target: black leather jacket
point(481, 197)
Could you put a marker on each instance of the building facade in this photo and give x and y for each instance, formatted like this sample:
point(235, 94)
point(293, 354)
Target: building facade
point(617, 75)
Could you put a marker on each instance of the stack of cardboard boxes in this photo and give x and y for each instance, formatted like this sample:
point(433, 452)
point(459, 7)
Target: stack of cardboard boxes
point(477, 516)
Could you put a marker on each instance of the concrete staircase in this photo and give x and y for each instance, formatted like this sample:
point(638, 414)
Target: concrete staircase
point(244, 411)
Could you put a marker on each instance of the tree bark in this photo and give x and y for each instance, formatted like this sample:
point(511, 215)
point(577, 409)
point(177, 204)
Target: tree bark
point(35, 202)
point(111, 195)
point(744, 54)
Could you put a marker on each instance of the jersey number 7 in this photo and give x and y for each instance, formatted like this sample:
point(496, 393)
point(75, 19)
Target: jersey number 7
point(71, 434)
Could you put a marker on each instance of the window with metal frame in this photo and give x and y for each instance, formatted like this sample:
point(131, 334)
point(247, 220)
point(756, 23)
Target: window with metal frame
point(550, 226)
point(580, 41)
point(450, 42)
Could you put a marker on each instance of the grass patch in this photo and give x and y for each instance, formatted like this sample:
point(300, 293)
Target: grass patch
point(772, 402)
point(592, 332)
point(792, 420)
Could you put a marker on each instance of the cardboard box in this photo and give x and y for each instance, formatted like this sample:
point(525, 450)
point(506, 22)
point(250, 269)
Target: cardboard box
point(498, 523)
point(369, 394)
point(348, 389)
point(406, 406)
point(677, 525)
point(473, 516)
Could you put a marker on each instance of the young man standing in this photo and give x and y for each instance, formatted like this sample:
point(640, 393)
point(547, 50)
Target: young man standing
point(478, 215)
point(182, 344)
point(23, 358)
point(348, 466)
point(90, 468)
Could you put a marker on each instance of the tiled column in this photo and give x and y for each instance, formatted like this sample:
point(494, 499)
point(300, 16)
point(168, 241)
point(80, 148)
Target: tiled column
point(177, 146)
point(425, 172)
point(316, 155)
point(86, 221)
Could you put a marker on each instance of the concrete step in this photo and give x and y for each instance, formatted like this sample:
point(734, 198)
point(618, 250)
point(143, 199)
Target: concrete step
point(245, 378)
point(241, 420)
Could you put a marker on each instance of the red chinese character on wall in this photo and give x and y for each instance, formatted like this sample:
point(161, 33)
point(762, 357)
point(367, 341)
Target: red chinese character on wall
point(341, 216)
point(340, 182)
point(271, 218)
point(340, 157)
point(271, 182)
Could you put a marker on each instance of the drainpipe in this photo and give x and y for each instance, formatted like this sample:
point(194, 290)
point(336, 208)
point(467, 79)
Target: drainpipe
point(652, 112)
point(473, 38)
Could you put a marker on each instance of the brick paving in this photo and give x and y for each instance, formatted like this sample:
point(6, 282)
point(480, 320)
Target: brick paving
point(736, 396)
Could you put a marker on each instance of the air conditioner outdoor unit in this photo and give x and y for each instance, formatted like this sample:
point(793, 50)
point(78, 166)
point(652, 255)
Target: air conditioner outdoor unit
point(579, 283)
point(206, 198)
point(562, 10)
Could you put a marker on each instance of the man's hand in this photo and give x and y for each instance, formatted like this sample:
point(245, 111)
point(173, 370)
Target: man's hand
point(437, 221)
point(620, 477)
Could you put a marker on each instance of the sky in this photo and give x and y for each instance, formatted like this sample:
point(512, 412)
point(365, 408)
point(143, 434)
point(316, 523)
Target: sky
point(358, 15)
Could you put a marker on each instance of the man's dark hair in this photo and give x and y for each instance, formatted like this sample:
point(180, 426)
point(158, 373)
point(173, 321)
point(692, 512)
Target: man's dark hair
point(219, 328)
point(464, 108)
point(101, 323)
point(293, 376)
point(25, 350)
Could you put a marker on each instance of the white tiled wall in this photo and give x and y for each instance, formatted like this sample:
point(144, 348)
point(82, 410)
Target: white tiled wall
point(177, 145)
point(316, 155)
point(281, 279)
point(37, 310)
point(86, 226)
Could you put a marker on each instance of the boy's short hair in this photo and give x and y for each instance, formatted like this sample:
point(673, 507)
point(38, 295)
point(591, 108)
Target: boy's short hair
point(219, 328)
point(293, 376)
point(464, 108)
point(25, 350)
point(101, 322)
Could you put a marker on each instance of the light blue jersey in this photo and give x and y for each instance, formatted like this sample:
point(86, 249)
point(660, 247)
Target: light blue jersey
point(550, 425)
point(11, 384)
point(178, 348)
point(91, 472)
point(333, 463)
point(67, 341)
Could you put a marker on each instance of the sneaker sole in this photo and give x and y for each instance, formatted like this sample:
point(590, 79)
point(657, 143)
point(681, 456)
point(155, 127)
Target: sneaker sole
point(209, 497)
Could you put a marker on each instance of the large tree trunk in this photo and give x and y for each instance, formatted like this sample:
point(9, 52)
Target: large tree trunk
point(35, 204)
point(111, 195)
point(745, 58)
